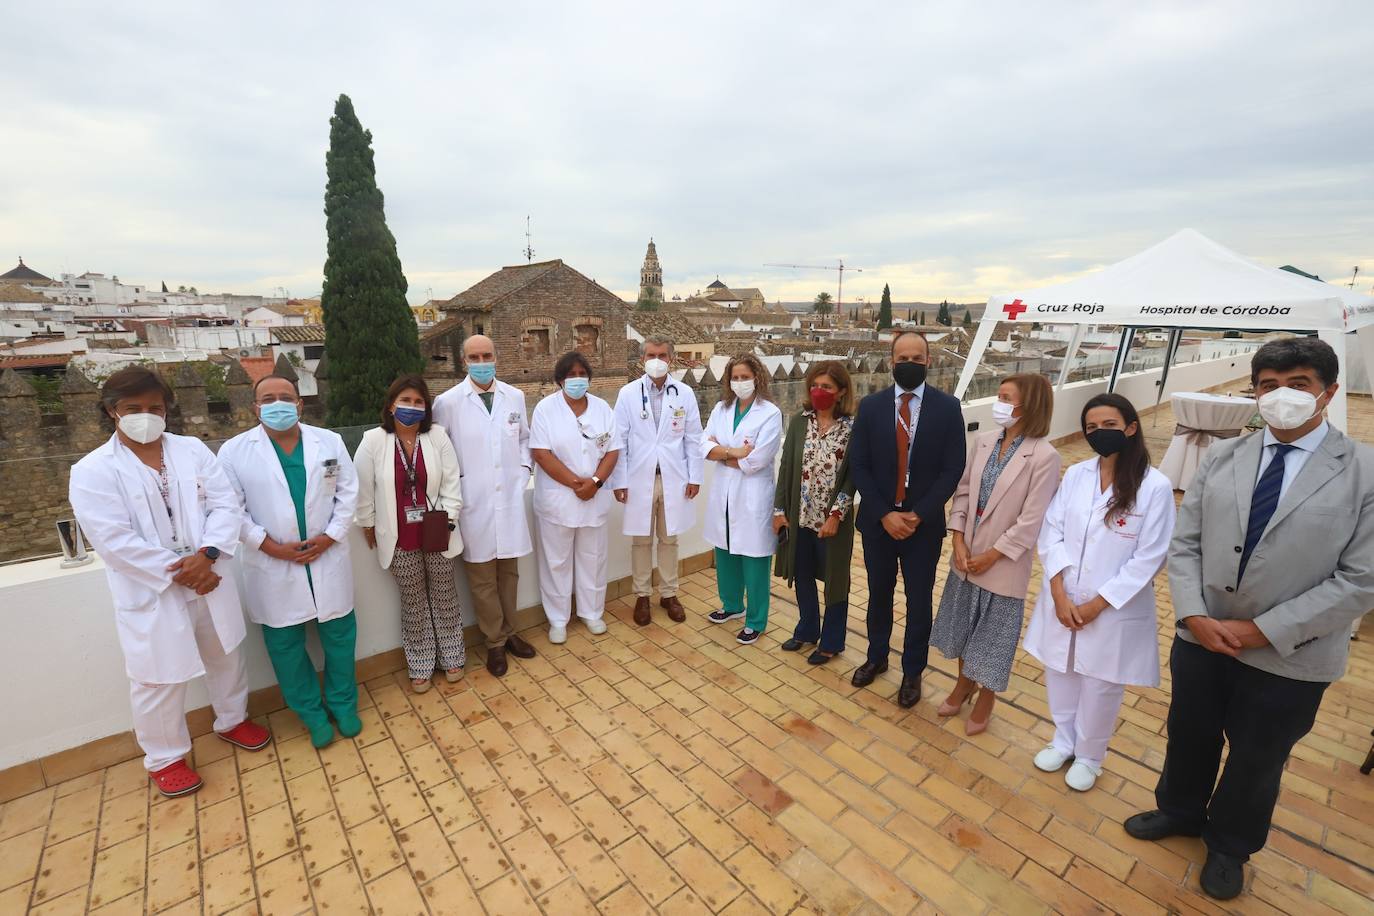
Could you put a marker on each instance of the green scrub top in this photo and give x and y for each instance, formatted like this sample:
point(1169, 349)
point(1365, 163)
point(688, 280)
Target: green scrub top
point(293, 466)
point(739, 414)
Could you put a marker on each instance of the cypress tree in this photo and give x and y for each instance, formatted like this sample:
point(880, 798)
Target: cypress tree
point(968, 318)
point(885, 309)
point(943, 316)
point(370, 333)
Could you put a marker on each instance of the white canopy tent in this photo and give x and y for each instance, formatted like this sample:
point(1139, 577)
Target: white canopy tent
point(1187, 281)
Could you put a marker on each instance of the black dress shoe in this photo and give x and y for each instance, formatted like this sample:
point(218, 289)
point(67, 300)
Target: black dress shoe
point(519, 648)
point(1223, 877)
point(818, 658)
point(867, 672)
point(793, 644)
point(909, 694)
point(1156, 825)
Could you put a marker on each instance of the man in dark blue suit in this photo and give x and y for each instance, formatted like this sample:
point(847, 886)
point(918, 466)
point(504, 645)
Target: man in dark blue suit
point(906, 456)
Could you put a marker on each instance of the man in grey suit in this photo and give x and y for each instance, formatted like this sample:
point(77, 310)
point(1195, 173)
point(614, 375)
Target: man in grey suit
point(1272, 560)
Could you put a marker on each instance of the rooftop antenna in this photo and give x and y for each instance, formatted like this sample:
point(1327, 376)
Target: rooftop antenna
point(1354, 275)
point(529, 242)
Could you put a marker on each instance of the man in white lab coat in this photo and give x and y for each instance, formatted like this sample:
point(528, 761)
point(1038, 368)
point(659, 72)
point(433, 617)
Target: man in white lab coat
point(486, 421)
point(160, 512)
point(659, 473)
point(298, 489)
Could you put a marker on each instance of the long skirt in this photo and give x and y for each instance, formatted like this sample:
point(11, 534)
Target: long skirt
point(980, 627)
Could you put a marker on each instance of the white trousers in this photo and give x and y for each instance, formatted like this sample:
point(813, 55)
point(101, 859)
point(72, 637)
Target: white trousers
point(642, 551)
point(160, 709)
point(572, 561)
point(1084, 710)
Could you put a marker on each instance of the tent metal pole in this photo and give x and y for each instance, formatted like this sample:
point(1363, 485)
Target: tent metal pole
point(1069, 355)
point(975, 352)
point(1122, 350)
point(1336, 412)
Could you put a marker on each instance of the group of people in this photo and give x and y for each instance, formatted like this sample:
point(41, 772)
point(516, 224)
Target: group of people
point(441, 478)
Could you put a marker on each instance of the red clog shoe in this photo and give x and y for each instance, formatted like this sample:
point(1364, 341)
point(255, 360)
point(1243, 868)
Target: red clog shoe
point(176, 780)
point(248, 735)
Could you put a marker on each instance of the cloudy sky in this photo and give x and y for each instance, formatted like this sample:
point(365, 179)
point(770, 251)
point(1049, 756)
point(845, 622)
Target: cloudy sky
point(952, 150)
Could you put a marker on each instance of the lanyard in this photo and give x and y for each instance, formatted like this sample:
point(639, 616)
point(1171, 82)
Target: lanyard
point(409, 463)
point(164, 486)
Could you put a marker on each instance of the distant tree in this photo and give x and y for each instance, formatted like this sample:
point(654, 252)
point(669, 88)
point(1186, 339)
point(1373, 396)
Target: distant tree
point(181, 288)
point(648, 302)
point(885, 309)
point(823, 304)
point(49, 388)
point(370, 333)
point(968, 318)
point(943, 316)
point(216, 387)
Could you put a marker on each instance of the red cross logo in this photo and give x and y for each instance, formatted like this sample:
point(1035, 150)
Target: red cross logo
point(1121, 523)
point(1014, 309)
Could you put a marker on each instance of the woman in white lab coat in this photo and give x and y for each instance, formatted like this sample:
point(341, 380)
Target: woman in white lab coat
point(161, 513)
point(743, 436)
point(1105, 536)
point(298, 491)
point(574, 447)
point(405, 467)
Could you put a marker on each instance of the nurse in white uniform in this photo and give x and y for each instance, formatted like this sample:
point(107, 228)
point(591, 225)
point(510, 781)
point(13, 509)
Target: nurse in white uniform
point(160, 512)
point(659, 474)
point(574, 446)
point(1106, 534)
point(743, 436)
point(298, 490)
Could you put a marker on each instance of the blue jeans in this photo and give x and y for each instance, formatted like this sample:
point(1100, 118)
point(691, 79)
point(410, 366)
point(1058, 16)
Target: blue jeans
point(809, 566)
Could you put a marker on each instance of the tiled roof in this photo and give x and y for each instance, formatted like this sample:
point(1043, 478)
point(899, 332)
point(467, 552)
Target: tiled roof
point(15, 292)
point(668, 321)
point(257, 367)
point(485, 293)
point(24, 274)
point(36, 361)
point(300, 333)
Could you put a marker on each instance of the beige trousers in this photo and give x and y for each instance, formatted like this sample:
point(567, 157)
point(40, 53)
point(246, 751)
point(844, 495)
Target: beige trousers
point(493, 585)
point(641, 553)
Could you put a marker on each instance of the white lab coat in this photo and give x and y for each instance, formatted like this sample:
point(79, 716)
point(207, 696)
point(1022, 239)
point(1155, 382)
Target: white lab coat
point(580, 443)
point(748, 491)
point(277, 592)
point(494, 454)
point(120, 509)
point(672, 445)
point(375, 462)
point(1118, 561)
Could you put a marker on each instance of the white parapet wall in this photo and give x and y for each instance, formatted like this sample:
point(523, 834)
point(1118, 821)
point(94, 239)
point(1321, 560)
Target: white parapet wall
point(63, 673)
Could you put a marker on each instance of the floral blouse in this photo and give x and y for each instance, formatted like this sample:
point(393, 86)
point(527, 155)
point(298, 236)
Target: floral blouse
point(822, 456)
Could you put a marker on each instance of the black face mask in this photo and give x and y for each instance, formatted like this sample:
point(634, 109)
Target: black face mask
point(1107, 442)
point(909, 375)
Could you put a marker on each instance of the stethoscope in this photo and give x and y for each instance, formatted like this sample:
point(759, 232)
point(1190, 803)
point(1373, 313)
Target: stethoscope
point(670, 388)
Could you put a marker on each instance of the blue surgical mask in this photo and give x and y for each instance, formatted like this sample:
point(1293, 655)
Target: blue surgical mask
point(482, 373)
point(408, 416)
point(576, 387)
point(279, 415)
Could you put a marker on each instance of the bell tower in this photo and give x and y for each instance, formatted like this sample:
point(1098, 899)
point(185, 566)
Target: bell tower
point(651, 276)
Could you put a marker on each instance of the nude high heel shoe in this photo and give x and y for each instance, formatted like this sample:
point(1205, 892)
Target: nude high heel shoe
point(971, 725)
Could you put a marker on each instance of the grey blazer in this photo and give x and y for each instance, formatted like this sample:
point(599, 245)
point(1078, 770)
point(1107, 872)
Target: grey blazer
point(1311, 574)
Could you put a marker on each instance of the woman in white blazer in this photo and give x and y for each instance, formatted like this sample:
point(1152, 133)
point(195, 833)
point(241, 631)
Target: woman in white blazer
point(574, 446)
point(161, 513)
point(1105, 536)
point(404, 467)
point(743, 436)
point(298, 491)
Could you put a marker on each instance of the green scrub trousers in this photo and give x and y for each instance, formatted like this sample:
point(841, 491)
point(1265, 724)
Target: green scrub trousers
point(338, 638)
point(737, 575)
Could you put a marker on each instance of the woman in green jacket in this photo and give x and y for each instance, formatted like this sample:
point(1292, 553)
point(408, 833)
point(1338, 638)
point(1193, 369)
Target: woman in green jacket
point(814, 503)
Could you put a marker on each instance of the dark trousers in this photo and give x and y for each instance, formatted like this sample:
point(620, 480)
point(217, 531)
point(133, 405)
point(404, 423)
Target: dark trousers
point(917, 557)
point(809, 566)
point(1262, 715)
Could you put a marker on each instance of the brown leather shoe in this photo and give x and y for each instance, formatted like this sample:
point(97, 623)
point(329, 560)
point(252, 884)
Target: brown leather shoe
point(496, 661)
point(642, 610)
point(676, 612)
point(518, 647)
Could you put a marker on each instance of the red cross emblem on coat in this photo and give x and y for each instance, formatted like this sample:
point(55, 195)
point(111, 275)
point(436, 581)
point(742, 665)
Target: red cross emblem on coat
point(1014, 309)
point(1121, 523)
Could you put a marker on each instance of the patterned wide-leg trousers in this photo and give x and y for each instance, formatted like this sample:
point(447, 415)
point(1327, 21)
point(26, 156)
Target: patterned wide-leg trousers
point(431, 621)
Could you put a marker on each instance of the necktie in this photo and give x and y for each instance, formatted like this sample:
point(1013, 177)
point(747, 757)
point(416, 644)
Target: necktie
point(1264, 502)
point(903, 444)
point(486, 399)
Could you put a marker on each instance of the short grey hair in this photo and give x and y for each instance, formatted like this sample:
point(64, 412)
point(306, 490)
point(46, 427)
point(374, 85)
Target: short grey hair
point(660, 339)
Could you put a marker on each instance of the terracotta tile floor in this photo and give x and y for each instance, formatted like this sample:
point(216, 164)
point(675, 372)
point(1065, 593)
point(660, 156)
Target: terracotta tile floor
point(668, 769)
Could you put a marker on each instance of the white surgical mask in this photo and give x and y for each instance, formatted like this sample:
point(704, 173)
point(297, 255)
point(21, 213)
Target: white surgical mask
point(744, 390)
point(1002, 414)
point(142, 427)
point(655, 368)
point(1287, 408)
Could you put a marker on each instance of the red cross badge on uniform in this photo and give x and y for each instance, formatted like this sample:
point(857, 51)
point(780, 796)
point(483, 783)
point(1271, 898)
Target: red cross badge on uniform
point(1121, 523)
point(1014, 309)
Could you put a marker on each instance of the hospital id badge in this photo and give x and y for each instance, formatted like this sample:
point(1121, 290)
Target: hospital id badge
point(331, 468)
point(182, 550)
point(415, 515)
point(678, 424)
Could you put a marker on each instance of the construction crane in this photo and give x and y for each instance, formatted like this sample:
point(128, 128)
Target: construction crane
point(839, 293)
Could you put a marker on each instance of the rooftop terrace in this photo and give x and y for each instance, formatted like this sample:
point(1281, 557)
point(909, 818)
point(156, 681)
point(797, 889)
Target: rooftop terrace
point(668, 769)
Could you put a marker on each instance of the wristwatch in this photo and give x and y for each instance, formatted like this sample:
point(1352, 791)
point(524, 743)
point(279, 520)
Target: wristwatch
point(598, 481)
point(211, 553)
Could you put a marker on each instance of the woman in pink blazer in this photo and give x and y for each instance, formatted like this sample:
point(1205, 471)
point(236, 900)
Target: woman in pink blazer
point(994, 523)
